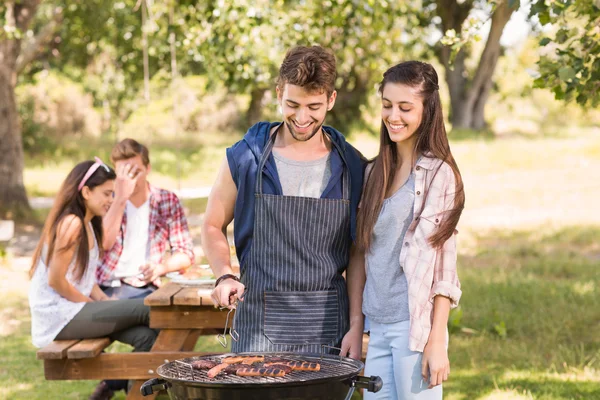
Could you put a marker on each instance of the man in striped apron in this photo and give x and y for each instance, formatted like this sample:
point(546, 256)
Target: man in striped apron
point(293, 188)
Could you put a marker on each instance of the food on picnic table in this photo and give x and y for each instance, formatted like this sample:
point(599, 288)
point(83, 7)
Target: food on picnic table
point(260, 371)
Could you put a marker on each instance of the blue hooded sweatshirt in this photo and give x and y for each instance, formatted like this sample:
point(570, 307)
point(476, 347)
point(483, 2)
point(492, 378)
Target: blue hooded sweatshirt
point(243, 158)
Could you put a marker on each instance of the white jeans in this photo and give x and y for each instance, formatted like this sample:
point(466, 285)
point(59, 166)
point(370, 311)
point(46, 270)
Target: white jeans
point(389, 358)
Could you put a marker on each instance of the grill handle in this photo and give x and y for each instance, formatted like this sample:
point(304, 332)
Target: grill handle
point(153, 385)
point(372, 384)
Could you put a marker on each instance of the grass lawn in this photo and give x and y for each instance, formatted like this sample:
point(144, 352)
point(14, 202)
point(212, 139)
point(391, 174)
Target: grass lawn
point(529, 261)
point(529, 327)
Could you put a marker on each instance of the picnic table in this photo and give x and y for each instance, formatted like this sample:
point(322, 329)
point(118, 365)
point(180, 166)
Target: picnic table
point(181, 314)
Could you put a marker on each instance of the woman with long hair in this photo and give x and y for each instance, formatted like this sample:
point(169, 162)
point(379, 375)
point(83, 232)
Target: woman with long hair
point(65, 301)
point(403, 267)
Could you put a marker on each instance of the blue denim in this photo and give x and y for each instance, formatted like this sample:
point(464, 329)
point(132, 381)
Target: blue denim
point(388, 357)
point(126, 291)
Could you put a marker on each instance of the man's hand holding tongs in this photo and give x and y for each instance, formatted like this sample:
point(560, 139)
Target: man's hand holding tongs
point(228, 292)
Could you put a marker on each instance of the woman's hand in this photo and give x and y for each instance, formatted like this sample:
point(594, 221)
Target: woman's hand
point(435, 366)
point(352, 342)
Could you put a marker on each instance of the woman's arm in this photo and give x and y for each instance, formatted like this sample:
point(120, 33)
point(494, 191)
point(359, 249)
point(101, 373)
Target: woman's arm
point(435, 366)
point(445, 294)
point(355, 278)
point(68, 232)
point(97, 294)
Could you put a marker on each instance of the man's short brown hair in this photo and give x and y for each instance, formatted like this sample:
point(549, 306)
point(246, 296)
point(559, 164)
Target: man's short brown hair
point(129, 148)
point(312, 68)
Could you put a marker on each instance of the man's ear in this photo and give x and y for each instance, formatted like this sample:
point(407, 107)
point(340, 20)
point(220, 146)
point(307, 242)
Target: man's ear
point(86, 192)
point(148, 168)
point(331, 101)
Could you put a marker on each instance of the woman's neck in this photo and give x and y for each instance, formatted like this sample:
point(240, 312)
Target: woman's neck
point(405, 150)
point(88, 216)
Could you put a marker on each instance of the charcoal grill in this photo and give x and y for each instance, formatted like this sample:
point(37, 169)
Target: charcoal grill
point(337, 379)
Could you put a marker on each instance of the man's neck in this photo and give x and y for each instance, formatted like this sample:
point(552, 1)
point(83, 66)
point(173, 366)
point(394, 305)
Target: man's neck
point(312, 149)
point(139, 198)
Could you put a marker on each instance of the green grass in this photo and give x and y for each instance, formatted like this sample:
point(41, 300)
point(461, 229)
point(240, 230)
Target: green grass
point(542, 287)
point(532, 300)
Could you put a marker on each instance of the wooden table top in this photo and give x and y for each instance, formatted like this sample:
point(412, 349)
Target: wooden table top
point(180, 295)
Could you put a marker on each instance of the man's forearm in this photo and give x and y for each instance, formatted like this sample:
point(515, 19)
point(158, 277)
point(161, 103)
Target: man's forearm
point(177, 261)
point(216, 249)
point(111, 222)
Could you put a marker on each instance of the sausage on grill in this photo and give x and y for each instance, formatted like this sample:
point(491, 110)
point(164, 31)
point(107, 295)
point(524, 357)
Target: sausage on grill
point(254, 371)
point(243, 359)
point(216, 370)
point(282, 367)
point(232, 368)
point(203, 364)
point(299, 365)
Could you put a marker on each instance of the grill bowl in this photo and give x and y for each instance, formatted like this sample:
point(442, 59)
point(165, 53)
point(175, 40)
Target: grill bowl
point(336, 380)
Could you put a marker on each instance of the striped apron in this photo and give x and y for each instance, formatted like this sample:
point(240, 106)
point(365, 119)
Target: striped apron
point(296, 297)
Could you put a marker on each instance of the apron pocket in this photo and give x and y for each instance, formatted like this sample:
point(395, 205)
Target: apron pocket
point(301, 318)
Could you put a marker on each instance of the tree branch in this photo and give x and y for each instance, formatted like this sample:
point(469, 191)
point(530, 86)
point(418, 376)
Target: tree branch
point(491, 52)
point(31, 50)
point(24, 12)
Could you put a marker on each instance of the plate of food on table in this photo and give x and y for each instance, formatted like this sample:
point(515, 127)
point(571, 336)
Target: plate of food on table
point(196, 275)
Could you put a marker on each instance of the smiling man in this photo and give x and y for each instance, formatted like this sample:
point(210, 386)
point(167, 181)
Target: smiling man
point(293, 188)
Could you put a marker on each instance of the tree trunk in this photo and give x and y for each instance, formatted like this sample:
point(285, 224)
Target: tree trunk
point(13, 198)
point(468, 98)
point(255, 109)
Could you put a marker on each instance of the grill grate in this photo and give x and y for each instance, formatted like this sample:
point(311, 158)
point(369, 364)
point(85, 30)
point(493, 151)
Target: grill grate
point(331, 367)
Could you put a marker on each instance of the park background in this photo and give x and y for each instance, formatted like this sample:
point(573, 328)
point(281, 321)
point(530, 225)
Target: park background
point(520, 83)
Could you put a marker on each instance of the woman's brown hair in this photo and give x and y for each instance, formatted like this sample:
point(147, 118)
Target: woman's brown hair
point(432, 141)
point(69, 201)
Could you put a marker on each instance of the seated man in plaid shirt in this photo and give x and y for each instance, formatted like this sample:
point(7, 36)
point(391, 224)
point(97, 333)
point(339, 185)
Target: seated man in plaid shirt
point(142, 222)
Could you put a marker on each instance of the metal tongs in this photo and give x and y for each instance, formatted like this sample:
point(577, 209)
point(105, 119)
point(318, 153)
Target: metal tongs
point(222, 337)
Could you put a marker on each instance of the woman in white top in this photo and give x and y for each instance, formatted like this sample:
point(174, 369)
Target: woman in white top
point(65, 301)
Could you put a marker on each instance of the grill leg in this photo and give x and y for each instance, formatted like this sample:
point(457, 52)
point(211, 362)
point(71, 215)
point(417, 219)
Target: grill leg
point(350, 393)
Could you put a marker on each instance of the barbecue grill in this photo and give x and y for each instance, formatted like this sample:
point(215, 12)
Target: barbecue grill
point(337, 379)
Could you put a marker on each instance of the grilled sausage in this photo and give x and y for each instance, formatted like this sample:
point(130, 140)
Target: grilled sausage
point(232, 368)
point(243, 359)
point(299, 365)
point(253, 371)
point(276, 360)
point(282, 367)
point(216, 370)
point(203, 364)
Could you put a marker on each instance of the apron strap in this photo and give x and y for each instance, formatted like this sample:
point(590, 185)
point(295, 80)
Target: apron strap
point(267, 152)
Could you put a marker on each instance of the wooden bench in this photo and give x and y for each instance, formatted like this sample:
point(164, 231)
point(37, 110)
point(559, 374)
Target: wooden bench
point(84, 359)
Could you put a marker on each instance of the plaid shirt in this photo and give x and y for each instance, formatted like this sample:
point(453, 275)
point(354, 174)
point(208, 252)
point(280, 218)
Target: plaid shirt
point(168, 226)
point(429, 271)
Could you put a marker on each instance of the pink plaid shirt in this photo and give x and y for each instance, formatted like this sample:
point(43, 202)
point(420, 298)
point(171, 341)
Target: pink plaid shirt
point(429, 271)
point(168, 226)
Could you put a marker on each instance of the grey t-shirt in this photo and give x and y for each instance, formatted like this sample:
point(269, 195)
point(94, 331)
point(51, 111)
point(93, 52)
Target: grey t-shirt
point(385, 298)
point(303, 178)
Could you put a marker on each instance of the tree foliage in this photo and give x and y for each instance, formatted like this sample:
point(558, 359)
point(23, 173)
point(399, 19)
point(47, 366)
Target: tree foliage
point(570, 62)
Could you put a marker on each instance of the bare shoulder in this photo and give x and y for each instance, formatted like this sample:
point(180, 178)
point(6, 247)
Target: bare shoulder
point(69, 227)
